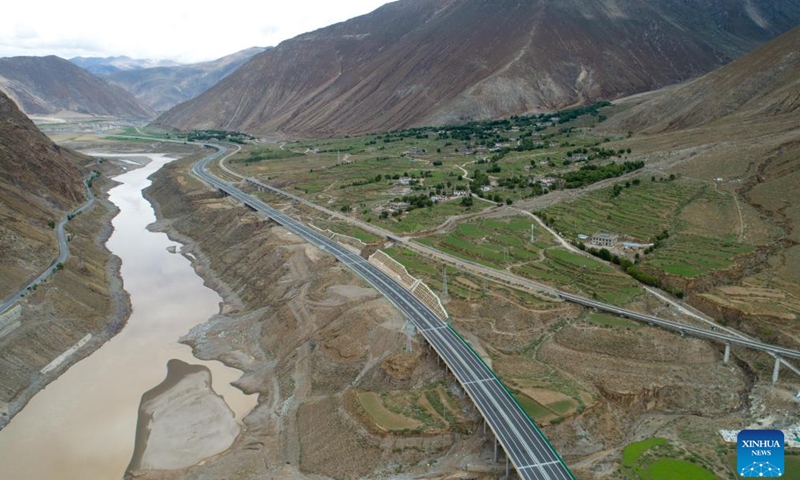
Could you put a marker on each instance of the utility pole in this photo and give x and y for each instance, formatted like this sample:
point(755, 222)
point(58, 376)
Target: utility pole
point(444, 281)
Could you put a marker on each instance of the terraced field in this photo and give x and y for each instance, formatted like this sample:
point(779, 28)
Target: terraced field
point(505, 244)
point(494, 243)
point(694, 256)
point(429, 410)
point(641, 212)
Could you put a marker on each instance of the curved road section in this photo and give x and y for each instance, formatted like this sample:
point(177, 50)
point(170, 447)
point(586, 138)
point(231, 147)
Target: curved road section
point(525, 445)
point(63, 250)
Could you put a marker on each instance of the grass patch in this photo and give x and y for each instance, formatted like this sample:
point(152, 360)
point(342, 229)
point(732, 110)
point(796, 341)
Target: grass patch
point(611, 321)
point(536, 410)
point(388, 420)
point(631, 453)
point(563, 407)
point(266, 154)
point(671, 469)
point(791, 466)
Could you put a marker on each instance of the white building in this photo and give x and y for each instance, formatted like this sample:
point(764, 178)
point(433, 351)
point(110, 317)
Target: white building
point(604, 240)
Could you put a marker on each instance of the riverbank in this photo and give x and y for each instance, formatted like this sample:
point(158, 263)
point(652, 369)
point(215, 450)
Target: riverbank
point(84, 423)
point(305, 330)
point(84, 298)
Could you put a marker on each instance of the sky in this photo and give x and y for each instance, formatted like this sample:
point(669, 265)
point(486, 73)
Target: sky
point(180, 30)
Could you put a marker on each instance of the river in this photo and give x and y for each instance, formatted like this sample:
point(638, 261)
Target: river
point(82, 426)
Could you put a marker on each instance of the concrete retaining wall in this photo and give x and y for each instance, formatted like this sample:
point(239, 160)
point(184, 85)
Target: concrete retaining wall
point(10, 316)
point(397, 271)
point(351, 243)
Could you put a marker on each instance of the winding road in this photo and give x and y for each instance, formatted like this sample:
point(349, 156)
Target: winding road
point(63, 249)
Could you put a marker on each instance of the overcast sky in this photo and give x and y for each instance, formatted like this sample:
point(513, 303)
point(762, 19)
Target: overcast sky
point(186, 31)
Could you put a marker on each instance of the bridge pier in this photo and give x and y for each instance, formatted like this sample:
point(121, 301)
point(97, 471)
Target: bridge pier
point(507, 465)
point(495, 449)
point(776, 369)
point(727, 355)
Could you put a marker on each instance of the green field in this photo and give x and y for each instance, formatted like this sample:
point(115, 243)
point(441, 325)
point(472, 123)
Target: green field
point(361, 174)
point(670, 469)
point(631, 453)
point(791, 466)
point(505, 244)
point(494, 243)
point(654, 459)
point(643, 211)
point(373, 405)
point(535, 409)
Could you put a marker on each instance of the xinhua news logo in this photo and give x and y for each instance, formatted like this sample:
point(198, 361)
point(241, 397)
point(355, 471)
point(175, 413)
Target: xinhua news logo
point(760, 453)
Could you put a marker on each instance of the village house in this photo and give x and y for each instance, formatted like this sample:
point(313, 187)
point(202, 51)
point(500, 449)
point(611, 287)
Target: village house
point(548, 181)
point(606, 240)
point(398, 206)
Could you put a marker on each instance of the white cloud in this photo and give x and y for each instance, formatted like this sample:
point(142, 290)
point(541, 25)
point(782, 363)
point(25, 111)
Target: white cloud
point(187, 31)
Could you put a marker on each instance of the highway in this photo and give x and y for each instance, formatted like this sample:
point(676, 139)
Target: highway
point(511, 279)
point(683, 328)
point(526, 447)
point(63, 250)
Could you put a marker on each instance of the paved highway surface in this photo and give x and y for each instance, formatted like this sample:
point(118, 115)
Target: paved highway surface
point(63, 250)
point(526, 447)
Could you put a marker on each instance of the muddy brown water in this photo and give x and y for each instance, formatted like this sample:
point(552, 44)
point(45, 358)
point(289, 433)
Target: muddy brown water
point(83, 425)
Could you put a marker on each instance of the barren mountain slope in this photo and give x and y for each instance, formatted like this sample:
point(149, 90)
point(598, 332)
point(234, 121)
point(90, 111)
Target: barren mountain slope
point(163, 87)
point(39, 182)
point(762, 84)
point(440, 61)
point(47, 85)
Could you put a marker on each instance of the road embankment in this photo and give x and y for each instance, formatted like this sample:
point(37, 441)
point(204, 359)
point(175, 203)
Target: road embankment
point(85, 297)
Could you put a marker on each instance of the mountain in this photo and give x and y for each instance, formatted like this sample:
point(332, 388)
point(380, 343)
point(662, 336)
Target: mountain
point(416, 62)
point(163, 87)
point(99, 65)
point(738, 129)
point(39, 182)
point(763, 84)
point(49, 85)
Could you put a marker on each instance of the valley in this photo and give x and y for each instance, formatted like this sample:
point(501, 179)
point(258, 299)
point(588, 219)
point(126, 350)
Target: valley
point(447, 239)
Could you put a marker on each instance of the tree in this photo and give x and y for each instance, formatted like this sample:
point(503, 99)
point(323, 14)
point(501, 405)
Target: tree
point(467, 201)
